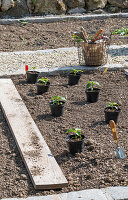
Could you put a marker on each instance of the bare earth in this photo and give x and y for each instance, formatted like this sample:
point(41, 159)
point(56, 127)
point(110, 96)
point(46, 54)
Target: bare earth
point(54, 35)
point(96, 167)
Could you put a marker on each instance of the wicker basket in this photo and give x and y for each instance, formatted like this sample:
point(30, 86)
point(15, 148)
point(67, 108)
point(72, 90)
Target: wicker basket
point(94, 53)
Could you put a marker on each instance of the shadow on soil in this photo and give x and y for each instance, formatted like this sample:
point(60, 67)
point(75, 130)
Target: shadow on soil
point(79, 103)
point(47, 117)
point(97, 123)
point(22, 82)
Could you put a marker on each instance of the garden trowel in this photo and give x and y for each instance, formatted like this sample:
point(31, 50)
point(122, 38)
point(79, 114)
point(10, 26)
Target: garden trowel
point(118, 150)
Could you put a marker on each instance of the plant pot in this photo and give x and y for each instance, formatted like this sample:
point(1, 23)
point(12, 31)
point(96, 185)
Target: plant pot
point(57, 110)
point(75, 146)
point(111, 114)
point(73, 79)
point(41, 88)
point(32, 76)
point(92, 96)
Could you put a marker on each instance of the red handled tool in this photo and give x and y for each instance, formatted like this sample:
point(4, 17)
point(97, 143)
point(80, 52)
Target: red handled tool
point(26, 69)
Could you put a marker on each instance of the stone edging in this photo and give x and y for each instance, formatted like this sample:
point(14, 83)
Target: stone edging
point(110, 193)
point(61, 18)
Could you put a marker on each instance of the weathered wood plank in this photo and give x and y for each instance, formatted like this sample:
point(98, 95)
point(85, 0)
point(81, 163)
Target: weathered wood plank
point(40, 163)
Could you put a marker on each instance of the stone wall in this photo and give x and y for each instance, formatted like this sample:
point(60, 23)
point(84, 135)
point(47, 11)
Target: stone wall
point(19, 8)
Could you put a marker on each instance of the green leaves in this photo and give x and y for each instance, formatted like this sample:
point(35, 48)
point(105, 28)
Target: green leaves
point(122, 31)
point(43, 80)
point(92, 84)
point(58, 100)
point(76, 71)
point(34, 67)
point(112, 105)
point(76, 132)
point(77, 38)
point(22, 22)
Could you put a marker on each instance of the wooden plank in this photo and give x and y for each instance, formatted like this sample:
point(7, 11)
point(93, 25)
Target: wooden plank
point(42, 167)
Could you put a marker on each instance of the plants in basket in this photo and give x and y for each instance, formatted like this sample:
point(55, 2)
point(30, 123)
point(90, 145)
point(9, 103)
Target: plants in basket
point(92, 91)
point(75, 140)
point(32, 75)
point(74, 76)
point(43, 85)
point(57, 105)
point(112, 110)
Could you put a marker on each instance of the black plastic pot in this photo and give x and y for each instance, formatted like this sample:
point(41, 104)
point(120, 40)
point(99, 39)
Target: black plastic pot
point(92, 96)
point(111, 115)
point(73, 79)
point(32, 76)
point(57, 110)
point(75, 146)
point(41, 88)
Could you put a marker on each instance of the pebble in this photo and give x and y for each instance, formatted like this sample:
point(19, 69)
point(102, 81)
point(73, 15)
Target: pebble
point(89, 143)
point(17, 178)
point(108, 180)
point(23, 177)
point(91, 148)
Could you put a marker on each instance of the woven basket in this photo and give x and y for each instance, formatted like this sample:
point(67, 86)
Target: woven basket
point(94, 53)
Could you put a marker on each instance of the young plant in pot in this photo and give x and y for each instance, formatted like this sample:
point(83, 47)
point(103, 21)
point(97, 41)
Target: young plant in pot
point(43, 85)
point(57, 105)
point(32, 75)
point(74, 76)
point(92, 91)
point(112, 111)
point(75, 140)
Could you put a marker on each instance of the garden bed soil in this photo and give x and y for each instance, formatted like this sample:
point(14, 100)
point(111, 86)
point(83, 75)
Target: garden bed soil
point(96, 167)
point(35, 36)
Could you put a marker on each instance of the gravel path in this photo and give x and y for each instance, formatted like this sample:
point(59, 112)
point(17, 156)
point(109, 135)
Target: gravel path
point(14, 62)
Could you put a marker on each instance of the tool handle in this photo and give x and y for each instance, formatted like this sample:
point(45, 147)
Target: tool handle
point(113, 129)
point(95, 37)
point(26, 68)
point(98, 33)
point(115, 136)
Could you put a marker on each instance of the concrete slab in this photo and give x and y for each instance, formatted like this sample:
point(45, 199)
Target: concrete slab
point(118, 193)
point(42, 167)
point(52, 18)
point(93, 194)
point(110, 193)
point(126, 72)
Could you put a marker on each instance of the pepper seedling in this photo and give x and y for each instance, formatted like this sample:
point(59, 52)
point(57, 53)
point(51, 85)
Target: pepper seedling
point(92, 84)
point(122, 31)
point(33, 68)
point(76, 38)
point(113, 106)
point(76, 132)
point(43, 81)
point(58, 100)
point(76, 71)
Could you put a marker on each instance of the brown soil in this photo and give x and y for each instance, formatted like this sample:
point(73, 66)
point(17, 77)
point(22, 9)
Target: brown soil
point(54, 35)
point(96, 167)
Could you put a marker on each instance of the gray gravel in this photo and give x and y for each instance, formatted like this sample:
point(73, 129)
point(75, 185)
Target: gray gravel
point(48, 60)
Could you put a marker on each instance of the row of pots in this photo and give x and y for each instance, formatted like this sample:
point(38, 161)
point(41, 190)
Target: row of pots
point(74, 77)
point(57, 105)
